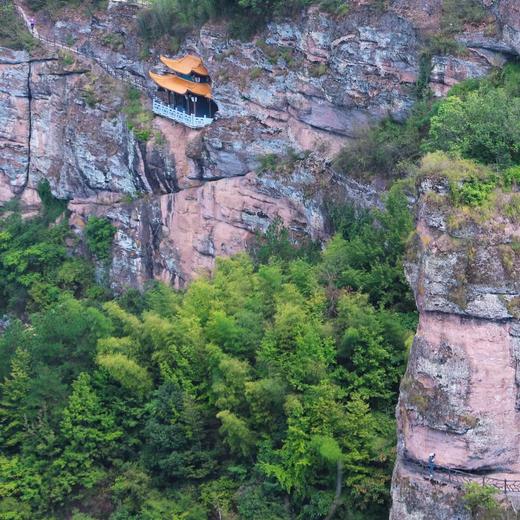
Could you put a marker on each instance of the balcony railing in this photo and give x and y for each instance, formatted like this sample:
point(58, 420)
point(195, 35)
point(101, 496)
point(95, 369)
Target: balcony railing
point(140, 3)
point(181, 117)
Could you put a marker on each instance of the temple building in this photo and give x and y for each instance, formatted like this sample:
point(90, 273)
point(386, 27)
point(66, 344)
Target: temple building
point(184, 93)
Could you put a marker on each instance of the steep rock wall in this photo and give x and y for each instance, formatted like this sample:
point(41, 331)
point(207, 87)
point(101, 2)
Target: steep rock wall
point(459, 397)
point(187, 196)
point(52, 131)
point(508, 15)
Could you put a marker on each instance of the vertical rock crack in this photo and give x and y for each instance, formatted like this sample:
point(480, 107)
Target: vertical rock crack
point(29, 132)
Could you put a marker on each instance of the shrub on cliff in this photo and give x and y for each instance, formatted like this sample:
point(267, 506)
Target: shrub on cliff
point(139, 119)
point(457, 13)
point(481, 501)
point(387, 149)
point(99, 234)
point(53, 5)
point(483, 125)
point(176, 18)
point(480, 119)
point(470, 183)
point(52, 207)
point(13, 32)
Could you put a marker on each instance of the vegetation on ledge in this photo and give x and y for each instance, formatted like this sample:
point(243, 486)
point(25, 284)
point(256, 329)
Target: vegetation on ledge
point(479, 120)
point(175, 18)
point(13, 32)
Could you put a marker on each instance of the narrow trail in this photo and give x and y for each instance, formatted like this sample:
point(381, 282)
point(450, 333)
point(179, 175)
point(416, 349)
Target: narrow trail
point(118, 74)
point(505, 483)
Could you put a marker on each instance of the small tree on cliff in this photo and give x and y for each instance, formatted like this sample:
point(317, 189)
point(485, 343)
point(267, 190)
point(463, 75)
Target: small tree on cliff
point(99, 234)
point(481, 501)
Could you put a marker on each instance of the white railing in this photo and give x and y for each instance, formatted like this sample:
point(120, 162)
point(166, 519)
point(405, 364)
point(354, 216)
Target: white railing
point(139, 3)
point(181, 117)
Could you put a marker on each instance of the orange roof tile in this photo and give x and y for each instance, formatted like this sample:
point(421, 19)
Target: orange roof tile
point(181, 86)
point(186, 65)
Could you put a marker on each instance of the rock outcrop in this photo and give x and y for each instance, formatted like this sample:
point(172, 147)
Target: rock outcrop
point(63, 121)
point(14, 122)
point(185, 197)
point(173, 237)
point(508, 16)
point(460, 395)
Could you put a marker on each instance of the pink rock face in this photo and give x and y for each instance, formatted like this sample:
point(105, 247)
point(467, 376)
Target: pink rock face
point(447, 71)
point(479, 391)
point(176, 237)
point(459, 397)
point(217, 220)
point(425, 14)
point(508, 13)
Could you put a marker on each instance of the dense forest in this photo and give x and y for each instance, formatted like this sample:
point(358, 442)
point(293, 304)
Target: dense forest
point(255, 393)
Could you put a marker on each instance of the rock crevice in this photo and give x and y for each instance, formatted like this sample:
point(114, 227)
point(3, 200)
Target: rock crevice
point(29, 124)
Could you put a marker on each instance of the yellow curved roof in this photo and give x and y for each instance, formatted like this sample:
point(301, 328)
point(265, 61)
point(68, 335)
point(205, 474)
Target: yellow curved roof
point(182, 86)
point(186, 65)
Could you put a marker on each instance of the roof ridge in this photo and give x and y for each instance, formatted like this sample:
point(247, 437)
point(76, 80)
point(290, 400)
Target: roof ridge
point(185, 65)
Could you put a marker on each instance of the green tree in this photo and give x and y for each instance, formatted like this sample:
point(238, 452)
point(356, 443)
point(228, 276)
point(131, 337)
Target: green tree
point(371, 346)
point(368, 254)
point(127, 372)
point(88, 435)
point(13, 401)
point(481, 501)
point(236, 434)
point(65, 337)
point(99, 234)
point(35, 269)
point(483, 125)
point(177, 438)
point(20, 487)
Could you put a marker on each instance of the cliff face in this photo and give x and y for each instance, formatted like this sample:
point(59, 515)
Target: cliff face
point(64, 122)
point(459, 397)
point(460, 394)
point(186, 196)
point(508, 15)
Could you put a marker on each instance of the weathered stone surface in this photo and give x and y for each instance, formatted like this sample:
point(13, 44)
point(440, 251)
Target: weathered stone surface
point(424, 15)
point(317, 79)
point(64, 123)
point(14, 122)
point(174, 237)
point(508, 16)
point(416, 498)
point(459, 397)
point(450, 70)
point(318, 82)
point(463, 265)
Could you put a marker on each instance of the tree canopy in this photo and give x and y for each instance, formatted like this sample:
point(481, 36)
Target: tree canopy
point(257, 392)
